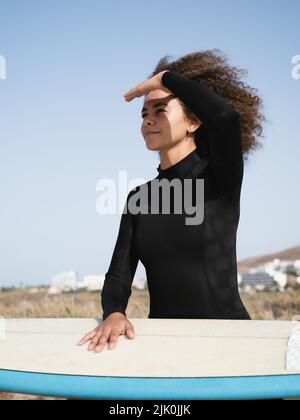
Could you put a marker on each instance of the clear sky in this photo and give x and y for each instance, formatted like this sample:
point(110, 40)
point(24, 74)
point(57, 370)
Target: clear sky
point(64, 123)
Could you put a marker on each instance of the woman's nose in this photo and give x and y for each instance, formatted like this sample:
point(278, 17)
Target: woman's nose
point(148, 124)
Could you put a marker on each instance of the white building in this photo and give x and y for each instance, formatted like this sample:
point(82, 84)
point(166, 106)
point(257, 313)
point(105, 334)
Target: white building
point(95, 283)
point(277, 270)
point(255, 279)
point(280, 278)
point(68, 281)
point(281, 265)
point(64, 282)
point(92, 282)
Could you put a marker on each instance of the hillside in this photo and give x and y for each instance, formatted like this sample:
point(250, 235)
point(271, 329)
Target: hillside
point(287, 254)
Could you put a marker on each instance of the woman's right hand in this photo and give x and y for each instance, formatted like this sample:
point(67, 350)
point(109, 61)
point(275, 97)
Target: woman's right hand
point(109, 330)
point(154, 82)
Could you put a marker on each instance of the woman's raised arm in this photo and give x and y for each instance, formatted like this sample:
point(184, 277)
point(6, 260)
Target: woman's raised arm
point(222, 123)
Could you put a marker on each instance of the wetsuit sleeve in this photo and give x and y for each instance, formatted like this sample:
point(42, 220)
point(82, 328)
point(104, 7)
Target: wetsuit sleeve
point(119, 277)
point(222, 124)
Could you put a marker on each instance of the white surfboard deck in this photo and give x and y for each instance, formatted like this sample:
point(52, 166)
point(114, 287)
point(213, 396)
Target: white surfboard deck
point(162, 348)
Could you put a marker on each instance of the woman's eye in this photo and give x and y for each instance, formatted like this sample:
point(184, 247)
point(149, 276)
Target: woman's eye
point(159, 110)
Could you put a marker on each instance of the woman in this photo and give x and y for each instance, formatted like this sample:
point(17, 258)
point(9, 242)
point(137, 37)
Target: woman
point(204, 122)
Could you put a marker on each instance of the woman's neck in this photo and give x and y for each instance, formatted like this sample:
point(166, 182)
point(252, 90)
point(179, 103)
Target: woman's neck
point(171, 156)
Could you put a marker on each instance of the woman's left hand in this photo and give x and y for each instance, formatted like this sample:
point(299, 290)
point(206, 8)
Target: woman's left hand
point(146, 87)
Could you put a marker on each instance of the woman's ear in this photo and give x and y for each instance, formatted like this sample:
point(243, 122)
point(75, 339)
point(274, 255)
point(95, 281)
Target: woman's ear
point(194, 126)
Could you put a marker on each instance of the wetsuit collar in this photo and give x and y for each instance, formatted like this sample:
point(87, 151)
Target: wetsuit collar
point(189, 165)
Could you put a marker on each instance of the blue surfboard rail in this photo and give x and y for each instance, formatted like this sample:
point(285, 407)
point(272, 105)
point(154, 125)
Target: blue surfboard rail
point(123, 388)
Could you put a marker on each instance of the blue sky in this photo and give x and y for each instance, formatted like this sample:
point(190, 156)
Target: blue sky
point(65, 124)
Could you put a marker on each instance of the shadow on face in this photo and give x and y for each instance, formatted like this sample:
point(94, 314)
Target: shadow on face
point(164, 121)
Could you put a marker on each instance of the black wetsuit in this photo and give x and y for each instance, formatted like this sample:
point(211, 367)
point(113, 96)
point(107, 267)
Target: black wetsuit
point(191, 269)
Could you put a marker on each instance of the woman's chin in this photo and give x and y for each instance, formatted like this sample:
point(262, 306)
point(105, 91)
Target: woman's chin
point(151, 145)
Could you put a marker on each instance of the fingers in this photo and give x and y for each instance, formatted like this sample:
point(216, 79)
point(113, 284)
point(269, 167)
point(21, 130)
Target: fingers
point(127, 96)
point(100, 336)
point(86, 338)
point(99, 340)
point(113, 334)
point(131, 94)
point(136, 92)
point(129, 331)
point(113, 339)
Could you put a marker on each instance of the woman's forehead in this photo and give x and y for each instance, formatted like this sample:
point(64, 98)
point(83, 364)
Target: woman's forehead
point(156, 97)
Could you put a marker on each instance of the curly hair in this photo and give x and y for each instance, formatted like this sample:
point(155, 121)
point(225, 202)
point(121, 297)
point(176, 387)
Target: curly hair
point(211, 68)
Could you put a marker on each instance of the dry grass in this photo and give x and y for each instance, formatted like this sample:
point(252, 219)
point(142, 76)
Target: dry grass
point(273, 306)
point(23, 304)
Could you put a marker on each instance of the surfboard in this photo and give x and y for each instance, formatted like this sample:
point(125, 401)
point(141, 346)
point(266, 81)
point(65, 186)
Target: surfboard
point(182, 359)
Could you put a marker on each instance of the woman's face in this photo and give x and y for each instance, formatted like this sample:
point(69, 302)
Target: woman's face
point(164, 115)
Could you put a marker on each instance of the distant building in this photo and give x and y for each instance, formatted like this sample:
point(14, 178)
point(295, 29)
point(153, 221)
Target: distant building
point(258, 280)
point(92, 283)
point(64, 282)
point(297, 265)
point(68, 281)
point(285, 266)
point(95, 283)
point(281, 278)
